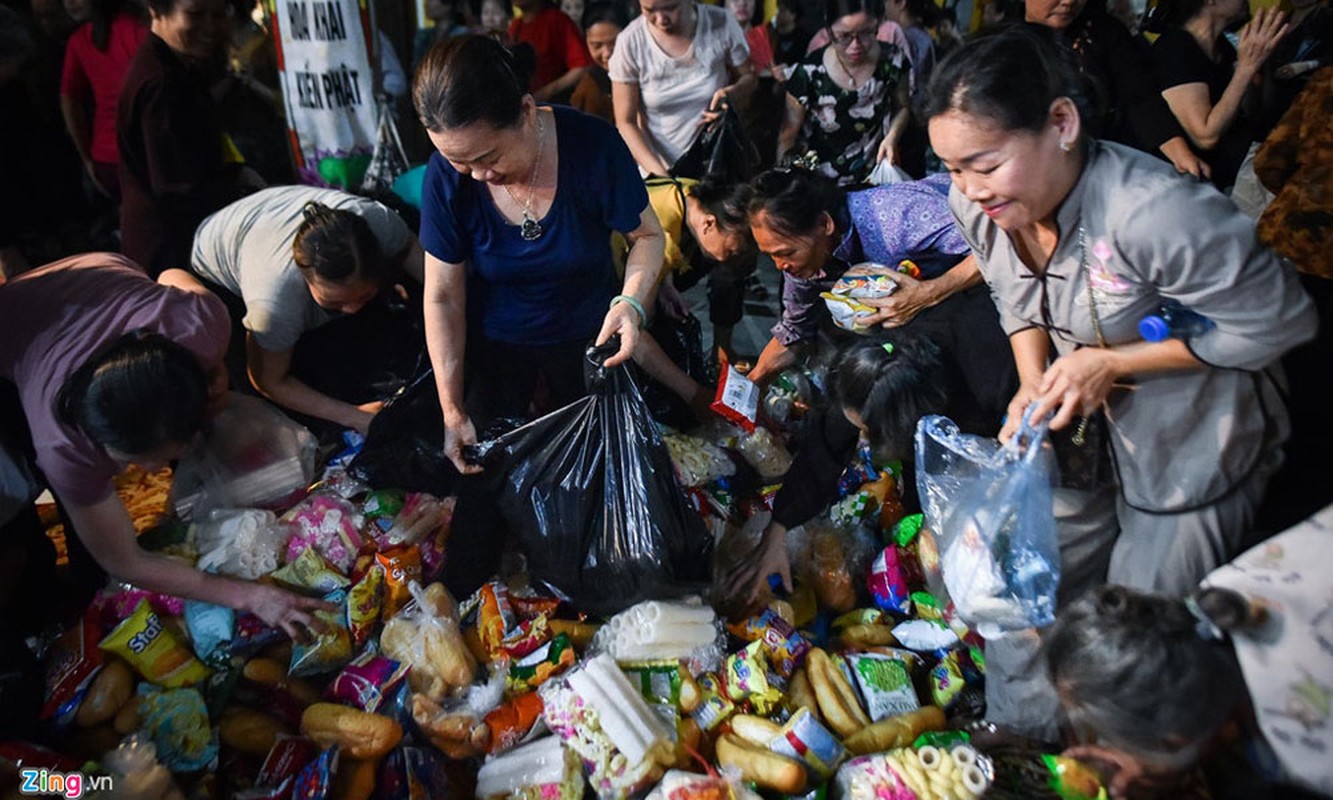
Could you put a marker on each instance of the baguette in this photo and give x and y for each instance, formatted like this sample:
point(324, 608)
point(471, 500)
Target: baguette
point(897, 731)
point(359, 734)
point(755, 730)
point(837, 700)
point(765, 768)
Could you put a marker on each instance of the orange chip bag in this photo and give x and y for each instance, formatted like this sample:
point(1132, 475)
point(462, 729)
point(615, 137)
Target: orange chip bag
point(402, 565)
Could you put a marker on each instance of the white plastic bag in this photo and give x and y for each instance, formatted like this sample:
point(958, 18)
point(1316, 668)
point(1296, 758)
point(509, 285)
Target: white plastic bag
point(255, 457)
point(885, 173)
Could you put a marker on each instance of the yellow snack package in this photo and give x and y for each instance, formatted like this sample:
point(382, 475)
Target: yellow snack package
point(153, 650)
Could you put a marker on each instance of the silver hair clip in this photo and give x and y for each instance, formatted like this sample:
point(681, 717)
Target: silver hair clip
point(1203, 624)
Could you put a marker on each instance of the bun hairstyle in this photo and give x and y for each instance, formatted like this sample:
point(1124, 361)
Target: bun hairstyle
point(1009, 76)
point(138, 393)
point(890, 383)
point(338, 246)
point(469, 79)
point(729, 203)
point(794, 201)
point(1145, 673)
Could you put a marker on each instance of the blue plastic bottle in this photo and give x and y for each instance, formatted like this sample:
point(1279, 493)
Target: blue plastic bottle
point(1173, 320)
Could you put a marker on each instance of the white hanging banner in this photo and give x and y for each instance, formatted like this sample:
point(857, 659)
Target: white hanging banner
point(328, 86)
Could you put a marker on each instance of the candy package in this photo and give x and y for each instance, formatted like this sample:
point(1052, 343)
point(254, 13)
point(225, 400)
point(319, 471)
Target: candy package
point(862, 281)
point(782, 644)
point(329, 525)
point(746, 679)
point(311, 573)
point(71, 663)
point(365, 604)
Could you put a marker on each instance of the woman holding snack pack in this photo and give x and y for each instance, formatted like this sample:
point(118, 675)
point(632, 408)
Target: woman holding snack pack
point(518, 209)
point(814, 233)
point(1164, 447)
point(111, 369)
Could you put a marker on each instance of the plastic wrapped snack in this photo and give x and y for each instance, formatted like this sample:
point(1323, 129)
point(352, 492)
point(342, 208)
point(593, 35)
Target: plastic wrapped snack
point(245, 543)
point(330, 648)
point(679, 785)
point(604, 719)
point(327, 524)
point(697, 462)
point(763, 451)
point(862, 281)
point(656, 629)
point(885, 683)
point(425, 637)
point(177, 722)
point(541, 770)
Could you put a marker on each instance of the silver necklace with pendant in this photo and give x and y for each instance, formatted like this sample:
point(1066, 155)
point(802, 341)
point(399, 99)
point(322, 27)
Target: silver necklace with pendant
point(531, 230)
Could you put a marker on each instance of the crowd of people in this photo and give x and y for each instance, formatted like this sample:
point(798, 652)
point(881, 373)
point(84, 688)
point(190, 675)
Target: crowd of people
point(1055, 178)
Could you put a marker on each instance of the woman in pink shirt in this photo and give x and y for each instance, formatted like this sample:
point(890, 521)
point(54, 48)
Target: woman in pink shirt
point(96, 59)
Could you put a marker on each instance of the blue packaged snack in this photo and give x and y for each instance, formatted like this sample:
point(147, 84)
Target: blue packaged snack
point(177, 720)
point(315, 781)
point(210, 626)
point(330, 649)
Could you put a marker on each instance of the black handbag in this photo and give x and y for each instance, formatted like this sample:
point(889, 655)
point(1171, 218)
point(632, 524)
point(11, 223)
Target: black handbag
point(722, 149)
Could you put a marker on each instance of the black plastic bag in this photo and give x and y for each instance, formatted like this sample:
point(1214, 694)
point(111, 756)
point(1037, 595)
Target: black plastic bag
point(404, 448)
point(722, 148)
point(590, 495)
point(682, 342)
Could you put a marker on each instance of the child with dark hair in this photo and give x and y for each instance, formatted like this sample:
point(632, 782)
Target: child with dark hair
point(1235, 678)
point(602, 24)
point(111, 369)
point(292, 259)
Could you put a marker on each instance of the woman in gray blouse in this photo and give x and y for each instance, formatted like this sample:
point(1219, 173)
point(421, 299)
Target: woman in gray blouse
point(1079, 240)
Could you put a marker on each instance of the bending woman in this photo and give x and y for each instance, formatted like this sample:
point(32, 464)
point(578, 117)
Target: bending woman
point(518, 209)
point(114, 369)
point(814, 234)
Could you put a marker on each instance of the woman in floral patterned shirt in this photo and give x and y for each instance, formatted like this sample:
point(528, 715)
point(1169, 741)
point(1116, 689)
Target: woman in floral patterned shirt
point(848, 101)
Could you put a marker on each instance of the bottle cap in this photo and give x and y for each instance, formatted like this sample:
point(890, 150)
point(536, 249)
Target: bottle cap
point(1154, 329)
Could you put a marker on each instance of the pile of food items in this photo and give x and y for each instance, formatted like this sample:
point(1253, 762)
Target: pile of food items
point(858, 684)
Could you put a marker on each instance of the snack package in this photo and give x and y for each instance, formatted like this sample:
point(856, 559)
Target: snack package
point(315, 780)
point(746, 673)
point(153, 650)
point(832, 578)
point(924, 636)
point(659, 682)
point(541, 665)
point(860, 282)
point(210, 626)
point(680, 785)
point(782, 644)
point(289, 755)
point(513, 721)
point(541, 770)
point(885, 683)
point(763, 451)
point(737, 398)
point(365, 603)
point(954, 672)
point(379, 509)
point(331, 648)
point(872, 776)
point(413, 773)
point(697, 461)
point(526, 637)
point(805, 739)
point(245, 543)
point(888, 582)
point(715, 707)
point(401, 566)
point(600, 716)
point(71, 663)
point(329, 525)
point(657, 629)
point(366, 682)
point(177, 721)
point(1072, 780)
point(495, 616)
point(310, 573)
point(425, 637)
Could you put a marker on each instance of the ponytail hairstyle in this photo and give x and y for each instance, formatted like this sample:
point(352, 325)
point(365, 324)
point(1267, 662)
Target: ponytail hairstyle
point(338, 246)
point(139, 393)
point(1146, 673)
point(890, 383)
point(729, 203)
point(794, 201)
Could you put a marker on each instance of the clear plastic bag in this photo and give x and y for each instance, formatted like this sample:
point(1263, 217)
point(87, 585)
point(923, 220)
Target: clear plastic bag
point(246, 543)
point(590, 493)
point(255, 457)
point(1000, 555)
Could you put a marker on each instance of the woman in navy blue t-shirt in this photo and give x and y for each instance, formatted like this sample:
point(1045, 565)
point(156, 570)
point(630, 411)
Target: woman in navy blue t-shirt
point(518, 209)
